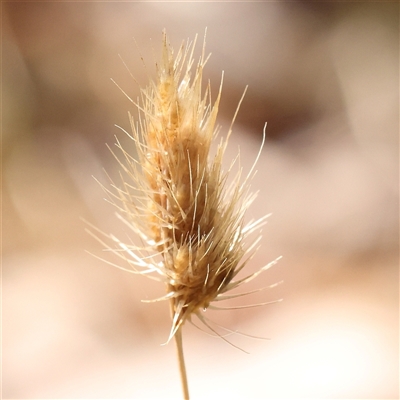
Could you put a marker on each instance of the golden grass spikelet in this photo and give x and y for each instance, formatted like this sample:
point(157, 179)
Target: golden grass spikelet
point(177, 197)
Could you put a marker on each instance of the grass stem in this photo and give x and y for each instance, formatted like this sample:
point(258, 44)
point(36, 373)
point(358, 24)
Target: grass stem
point(181, 360)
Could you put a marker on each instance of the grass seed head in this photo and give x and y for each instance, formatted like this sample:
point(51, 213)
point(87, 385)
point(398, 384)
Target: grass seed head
point(176, 197)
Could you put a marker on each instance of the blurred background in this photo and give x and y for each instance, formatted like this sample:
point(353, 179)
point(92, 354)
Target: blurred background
point(325, 76)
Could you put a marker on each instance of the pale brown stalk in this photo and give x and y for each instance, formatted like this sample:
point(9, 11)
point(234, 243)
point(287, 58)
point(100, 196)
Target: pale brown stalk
point(181, 361)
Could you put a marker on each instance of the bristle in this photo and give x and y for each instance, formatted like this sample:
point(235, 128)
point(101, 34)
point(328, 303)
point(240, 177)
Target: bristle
point(176, 199)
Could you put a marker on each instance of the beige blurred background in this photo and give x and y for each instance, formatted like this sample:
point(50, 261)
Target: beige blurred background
point(326, 78)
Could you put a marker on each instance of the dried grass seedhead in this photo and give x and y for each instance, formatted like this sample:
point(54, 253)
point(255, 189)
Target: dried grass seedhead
point(176, 197)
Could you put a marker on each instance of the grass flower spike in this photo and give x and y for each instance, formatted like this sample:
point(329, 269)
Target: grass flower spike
point(177, 198)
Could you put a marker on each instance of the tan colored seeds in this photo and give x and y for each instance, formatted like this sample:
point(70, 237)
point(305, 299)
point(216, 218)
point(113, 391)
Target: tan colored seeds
point(176, 197)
